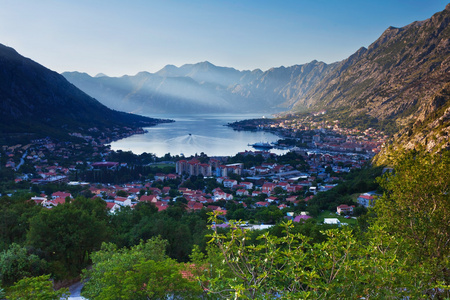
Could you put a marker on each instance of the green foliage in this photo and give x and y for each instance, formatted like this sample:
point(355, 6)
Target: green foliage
point(270, 214)
point(16, 263)
point(15, 215)
point(36, 288)
point(288, 265)
point(415, 207)
point(179, 228)
point(141, 272)
point(357, 181)
point(68, 233)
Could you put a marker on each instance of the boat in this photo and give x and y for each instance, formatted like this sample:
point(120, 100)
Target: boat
point(261, 145)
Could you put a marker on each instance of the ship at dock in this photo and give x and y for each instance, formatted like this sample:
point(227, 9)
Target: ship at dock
point(261, 145)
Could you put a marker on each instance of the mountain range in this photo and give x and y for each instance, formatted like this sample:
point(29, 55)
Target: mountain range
point(202, 88)
point(401, 83)
point(396, 84)
point(37, 102)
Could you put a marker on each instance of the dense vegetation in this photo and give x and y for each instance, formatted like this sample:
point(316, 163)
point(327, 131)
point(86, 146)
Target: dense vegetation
point(400, 249)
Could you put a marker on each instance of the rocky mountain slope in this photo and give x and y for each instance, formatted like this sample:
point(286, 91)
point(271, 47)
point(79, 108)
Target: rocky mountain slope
point(401, 79)
point(394, 78)
point(37, 102)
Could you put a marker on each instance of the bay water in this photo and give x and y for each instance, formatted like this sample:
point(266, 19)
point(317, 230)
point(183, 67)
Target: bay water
point(194, 134)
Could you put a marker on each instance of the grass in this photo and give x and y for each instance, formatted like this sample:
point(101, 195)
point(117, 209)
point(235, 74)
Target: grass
point(162, 166)
point(329, 214)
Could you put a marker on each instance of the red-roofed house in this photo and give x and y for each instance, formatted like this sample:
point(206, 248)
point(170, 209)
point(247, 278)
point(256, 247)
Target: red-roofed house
point(221, 195)
point(229, 183)
point(345, 209)
point(62, 195)
point(366, 200)
point(284, 185)
point(112, 207)
point(291, 199)
point(268, 187)
point(256, 193)
point(54, 202)
point(247, 185)
point(160, 176)
point(148, 198)
point(271, 199)
point(242, 192)
point(193, 205)
point(122, 201)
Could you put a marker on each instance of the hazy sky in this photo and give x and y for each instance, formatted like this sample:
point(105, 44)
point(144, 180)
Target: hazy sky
point(119, 37)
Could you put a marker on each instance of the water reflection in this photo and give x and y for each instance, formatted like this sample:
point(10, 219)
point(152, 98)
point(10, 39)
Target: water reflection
point(191, 135)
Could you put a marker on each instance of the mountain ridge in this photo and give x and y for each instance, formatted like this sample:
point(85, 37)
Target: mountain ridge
point(389, 84)
point(39, 102)
point(233, 90)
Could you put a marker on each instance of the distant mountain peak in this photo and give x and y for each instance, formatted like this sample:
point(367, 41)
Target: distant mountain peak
point(207, 63)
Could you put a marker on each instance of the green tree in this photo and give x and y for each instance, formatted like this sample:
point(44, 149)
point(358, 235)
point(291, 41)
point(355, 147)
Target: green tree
point(291, 267)
point(68, 233)
point(16, 263)
point(415, 207)
point(122, 193)
point(141, 272)
point(15, 215)
point(36, 288)
point(156, 280)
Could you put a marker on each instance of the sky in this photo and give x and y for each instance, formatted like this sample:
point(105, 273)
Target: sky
point(118, 37)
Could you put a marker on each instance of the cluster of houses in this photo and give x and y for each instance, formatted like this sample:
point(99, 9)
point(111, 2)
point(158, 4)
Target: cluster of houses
point(129, 195)
point(325, 135)
point(269, 179)
point(313, 176)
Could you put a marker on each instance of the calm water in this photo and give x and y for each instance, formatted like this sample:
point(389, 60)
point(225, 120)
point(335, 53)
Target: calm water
point(189, 135)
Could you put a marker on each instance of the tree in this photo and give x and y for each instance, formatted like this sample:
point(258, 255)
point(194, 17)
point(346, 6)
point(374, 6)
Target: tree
point(16, 263)
point(141, 272)
point(415, 207)
point(15, 215)
point(36, 288)
point(278, 190)
point(68, 233)
point(291, 267)
point(122, 193)
point(156, 280)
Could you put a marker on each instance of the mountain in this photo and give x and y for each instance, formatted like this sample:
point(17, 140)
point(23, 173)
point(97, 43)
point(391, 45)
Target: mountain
point(395, 78)
point(37, 102)
point(398, 84)
point(401, 80)
point(200, 88)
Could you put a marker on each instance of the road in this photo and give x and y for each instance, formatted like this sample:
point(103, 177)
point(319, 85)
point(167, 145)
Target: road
point(75, 290)
point(22, 160)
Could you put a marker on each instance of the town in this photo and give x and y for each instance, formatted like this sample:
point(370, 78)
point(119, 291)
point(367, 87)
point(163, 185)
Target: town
point(240, 187)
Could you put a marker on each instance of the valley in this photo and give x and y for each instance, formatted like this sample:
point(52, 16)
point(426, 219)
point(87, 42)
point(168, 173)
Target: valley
point(147, 186)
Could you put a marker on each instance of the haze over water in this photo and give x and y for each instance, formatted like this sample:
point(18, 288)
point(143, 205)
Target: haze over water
point(190, 135)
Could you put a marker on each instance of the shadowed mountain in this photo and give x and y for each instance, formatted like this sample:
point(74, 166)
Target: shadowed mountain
point(37, 102)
